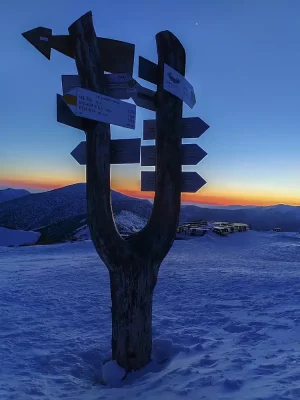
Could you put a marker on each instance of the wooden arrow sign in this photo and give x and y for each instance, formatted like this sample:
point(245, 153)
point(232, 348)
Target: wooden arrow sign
point(117, 56)
point(91, 105)
point(142, 96)
point(191, 154)
point(148, 70)
point(117, 84)
point(122, 151)
point(190, 128)
point(191, 182)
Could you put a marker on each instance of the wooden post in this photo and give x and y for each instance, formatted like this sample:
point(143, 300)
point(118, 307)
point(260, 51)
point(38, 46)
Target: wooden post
point(133, 264)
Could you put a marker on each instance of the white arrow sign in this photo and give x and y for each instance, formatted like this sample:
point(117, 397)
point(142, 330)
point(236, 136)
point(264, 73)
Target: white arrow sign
point(176, 84)
point(91, 105)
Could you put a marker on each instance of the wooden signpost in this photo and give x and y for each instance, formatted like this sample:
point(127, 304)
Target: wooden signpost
point(122, 151)
point(133, 263)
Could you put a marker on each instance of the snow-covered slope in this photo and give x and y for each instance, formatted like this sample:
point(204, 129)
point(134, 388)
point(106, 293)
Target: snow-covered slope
point(11, 194)
point(127, 221)
point(226, 318)
point(11, 237)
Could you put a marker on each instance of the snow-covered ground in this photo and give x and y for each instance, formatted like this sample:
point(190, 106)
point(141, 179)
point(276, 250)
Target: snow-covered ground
point(11, 237)
point(230, 306)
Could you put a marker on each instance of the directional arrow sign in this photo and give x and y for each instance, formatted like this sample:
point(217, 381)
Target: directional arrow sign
point(142, 96)
point(176, 84)
point(122, 151)
point(65, 115)
point(117, 84)
point(87, 104)
point(190, 128)
point(148, 70)
point(191, 181)
point(116, 56)
point(191, 154)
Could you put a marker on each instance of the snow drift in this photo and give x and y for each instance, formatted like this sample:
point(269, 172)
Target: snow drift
point(11, 237)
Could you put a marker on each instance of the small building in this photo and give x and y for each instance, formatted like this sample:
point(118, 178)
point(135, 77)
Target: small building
point(240, 227)
point(221, 230)
point(220, 223)
point(197, 231)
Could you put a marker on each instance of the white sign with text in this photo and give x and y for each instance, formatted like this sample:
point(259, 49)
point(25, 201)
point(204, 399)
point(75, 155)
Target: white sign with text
point(91, 105)
point(176, 84)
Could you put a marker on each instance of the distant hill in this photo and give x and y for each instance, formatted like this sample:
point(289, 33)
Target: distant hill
point(40, 210)
point(61, 214)
point(260, 218)
point(10, 194)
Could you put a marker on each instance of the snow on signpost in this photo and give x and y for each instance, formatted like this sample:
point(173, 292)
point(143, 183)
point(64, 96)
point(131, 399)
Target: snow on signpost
point(176, 84)
point(91, 105)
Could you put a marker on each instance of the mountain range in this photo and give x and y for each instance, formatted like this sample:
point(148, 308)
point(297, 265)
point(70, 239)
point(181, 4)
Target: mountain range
point(60, 214)
point(10, 194)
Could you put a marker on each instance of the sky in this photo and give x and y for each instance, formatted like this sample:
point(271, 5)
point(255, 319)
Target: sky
point(243, 60)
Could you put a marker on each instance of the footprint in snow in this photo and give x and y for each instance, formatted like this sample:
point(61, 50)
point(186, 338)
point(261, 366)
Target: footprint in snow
point(237, 328)
point(233, 384)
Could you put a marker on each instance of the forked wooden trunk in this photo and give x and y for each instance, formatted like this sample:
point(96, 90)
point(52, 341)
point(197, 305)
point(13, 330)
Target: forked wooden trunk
point(133, 264)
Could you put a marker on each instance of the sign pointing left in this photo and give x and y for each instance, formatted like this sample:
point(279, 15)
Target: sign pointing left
point(98, 107)
point(122, 151)
point(118, 56)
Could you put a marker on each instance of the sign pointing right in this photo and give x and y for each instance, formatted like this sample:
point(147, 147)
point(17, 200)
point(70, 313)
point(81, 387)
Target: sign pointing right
point(191, 154)
point(192, 127)
point(191, 182)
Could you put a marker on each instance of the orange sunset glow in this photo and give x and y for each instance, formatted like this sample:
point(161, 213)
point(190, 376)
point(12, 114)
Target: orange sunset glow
point(207, 195)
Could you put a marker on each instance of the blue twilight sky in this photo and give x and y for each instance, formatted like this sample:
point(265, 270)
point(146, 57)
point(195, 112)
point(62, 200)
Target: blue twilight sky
point(243, 59)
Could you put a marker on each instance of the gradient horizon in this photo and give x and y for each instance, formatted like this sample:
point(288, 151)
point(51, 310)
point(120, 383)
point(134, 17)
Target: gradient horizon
point(242, 59)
